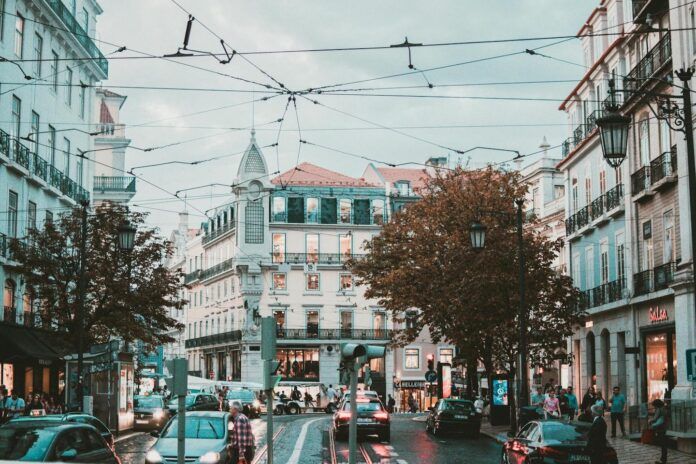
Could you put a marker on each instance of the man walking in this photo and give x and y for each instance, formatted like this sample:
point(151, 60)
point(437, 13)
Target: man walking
point(14, 406)
point(572, 403)
point(618, 406)
point(243, 448)
point(597, 436)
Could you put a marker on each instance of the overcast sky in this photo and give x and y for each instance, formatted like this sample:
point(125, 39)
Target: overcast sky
point(157, 27)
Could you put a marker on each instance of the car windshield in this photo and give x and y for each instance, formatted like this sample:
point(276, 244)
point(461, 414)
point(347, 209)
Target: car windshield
point(211, 428)
point(242, 395)
point(565, 433)
point(25, 443)
point(189, 400)
point(148, 402)
point(364, 406)
point(456, 406)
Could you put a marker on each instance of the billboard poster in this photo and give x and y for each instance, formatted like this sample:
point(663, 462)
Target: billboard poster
point(446, 381)
point(500, 392)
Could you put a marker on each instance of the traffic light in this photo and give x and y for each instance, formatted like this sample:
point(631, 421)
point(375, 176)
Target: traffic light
point(351, 351)
point(268, 338)
point(270, 377)
point(431, 362)
point(372, 352)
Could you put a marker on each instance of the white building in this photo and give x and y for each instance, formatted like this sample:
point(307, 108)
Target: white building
point(43, 131)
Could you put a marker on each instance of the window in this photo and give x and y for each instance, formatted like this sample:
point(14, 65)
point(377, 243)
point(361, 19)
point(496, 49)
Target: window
point(279, 209)
point(313, 323)
point(8, 297)
point(574, 190)
point(648, 259)
point(35, 124)
point(312, 210)
point(312, 282)
point(85, 20)
point(279, 316)
point(378, 212)
point(54, 70)
point(345, 207)
point(253, 230)
point(620, 259)
point(280, 281)
point(602, 182)
point(618, 176)
point(13, 202)
point(51, 145)
point(345, 245)
point(589, 267)
point(588, 190)
point(296, 213)
point(66, 157)
point(298, 364)
point(403, 188)
point(644, 144)
point(15, 128)
point(665, 137)
point(558, 191)
point(79, 165)
point(446, 355)
point(31, 215)
point(49, 217)
point(668, 227)
point(328, 211)
point(379, 324)
point(604, 262)
point(411, 358)
point(38, 54)
point(361, 212)
point(19, 35)
point(68, 86)
point(278, 248)
point(346, 282)
point(346, 323)
point(83, 98)
point(312, 248)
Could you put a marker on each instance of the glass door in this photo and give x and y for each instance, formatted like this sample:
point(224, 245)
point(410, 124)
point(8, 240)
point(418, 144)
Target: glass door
point(660, 364)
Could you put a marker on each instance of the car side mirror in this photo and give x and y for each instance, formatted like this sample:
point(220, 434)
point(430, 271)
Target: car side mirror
point(155, 433)
point(68, 455)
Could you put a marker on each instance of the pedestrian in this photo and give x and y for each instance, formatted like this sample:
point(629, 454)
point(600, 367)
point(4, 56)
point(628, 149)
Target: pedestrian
point(391, 402)
point(587, 401)
point(243, 447)
point(331, 394)
point(14, 406)
point(53, 407)
point(412, 404)
point(658, 425)
point(34, 405)
point(572, 403)
point(3, 397)
point(309, 401)
point(538, 398)
point(318, 399)
point(597, 436)
point(563, 402)
point(296, 395)
point(552, 409)
point(617, 409)
point(599, 399)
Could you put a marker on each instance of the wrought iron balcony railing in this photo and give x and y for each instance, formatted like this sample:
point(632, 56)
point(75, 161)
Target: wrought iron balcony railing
point(664, 275)
point(215, 339)
point(334, 334)
point(192, 277)
point(318, 258)
point(651, 63)
point(640, 180)
point(600, 205)
point(218, 232)
point(217, 269)
point(643, 282)
point(114, 184)
point(664, 165)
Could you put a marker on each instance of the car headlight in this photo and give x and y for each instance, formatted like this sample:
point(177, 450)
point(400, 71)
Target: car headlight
point(211, 457)
point(256, 403)
point(153, 457)
point(158, 414)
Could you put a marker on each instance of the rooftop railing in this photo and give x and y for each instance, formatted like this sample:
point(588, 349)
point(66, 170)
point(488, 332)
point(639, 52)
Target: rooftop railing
point(114, 184)
point(218, 232)
point(318, 258)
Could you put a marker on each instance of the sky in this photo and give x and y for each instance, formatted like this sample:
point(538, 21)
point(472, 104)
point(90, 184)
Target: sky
point(429, 122)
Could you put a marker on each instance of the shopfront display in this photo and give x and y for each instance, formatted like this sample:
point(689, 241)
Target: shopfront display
point(659, 349)
point(299, 364)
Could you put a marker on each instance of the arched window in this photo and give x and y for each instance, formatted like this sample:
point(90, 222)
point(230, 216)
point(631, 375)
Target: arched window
point(8, 299)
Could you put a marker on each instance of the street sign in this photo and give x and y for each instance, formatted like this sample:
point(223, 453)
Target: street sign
point(691, 364)
point(431, 376)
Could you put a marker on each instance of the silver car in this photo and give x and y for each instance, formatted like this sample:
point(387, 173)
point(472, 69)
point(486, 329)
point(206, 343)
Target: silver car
point(208, 436)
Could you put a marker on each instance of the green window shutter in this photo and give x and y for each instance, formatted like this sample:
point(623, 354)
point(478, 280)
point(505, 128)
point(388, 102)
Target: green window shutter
point(296, 210)
point(328, 211)
point(361, 211)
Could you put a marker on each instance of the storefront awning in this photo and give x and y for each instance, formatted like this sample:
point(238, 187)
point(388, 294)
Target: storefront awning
point(24, 344)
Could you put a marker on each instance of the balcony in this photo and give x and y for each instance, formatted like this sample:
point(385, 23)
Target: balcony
point(664, 169)
point(219, 232)
point(80, 34)
point(642, 282)
point(114, 184)
point(598, 211)
point(312, 333)
point(652, 280)
point(216, 339)
point(192, 277)
point(664, 275)
point(217, 269)
point(317, 258)
point(650, 64)
point(603, 294)
point(39, 168)
point(641, 8)
point(640, 183)
point(5, 241)
point(582, 132)
point(110, 130)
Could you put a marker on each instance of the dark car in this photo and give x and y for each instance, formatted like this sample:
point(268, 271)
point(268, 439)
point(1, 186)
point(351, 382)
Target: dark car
point(150, 412)
point(208, 439)
point(196, 402)
point(453, 416)
point(78, 417)
point(53, 440)
point(373, 419)
point(551, 442)
point(251, 406)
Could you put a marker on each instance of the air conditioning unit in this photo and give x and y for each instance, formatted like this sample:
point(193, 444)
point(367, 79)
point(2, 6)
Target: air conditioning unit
point(310, 267)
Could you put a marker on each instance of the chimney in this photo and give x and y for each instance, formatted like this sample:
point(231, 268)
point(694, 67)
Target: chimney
point(545, 146)
point(183, 223)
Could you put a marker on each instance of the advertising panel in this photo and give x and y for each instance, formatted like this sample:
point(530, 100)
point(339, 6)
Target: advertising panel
point(500, 392)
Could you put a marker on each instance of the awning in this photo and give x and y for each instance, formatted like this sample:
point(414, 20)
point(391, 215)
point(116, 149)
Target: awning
point(27, 345)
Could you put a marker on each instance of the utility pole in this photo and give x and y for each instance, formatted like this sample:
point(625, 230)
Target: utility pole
point(80, 310)
point(523, 394)
point(178, 385)
point(270, 379)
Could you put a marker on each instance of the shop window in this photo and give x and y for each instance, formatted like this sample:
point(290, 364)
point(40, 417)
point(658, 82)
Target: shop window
point(296, 212)
point(660, 364)
point(298, 364)
point(312, 282)
point(345, 207)
point(378, 212)
point(328, 211)
point(446, 355)
point(278, 248)
point(312, 210)
point(279, 281)
point(412, 358)
point(362, 211)
point(346, 282)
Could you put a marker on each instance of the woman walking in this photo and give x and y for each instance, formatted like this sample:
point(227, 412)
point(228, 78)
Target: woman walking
point(658, 425)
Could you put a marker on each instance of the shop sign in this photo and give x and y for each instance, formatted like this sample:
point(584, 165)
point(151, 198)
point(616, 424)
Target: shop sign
point(412, 384)
point(45, 362)
point(657, 314)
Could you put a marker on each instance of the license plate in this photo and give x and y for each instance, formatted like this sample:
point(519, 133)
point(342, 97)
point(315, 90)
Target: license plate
point(364, 420)
point(460, 416)
point(578, 458)
point(141, 421)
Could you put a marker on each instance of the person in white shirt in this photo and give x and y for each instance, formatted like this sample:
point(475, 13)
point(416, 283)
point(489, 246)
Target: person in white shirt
point(331, 394)
point(14, 406)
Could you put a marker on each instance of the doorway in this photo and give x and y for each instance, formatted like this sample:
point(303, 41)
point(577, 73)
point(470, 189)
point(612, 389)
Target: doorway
point(660, 361)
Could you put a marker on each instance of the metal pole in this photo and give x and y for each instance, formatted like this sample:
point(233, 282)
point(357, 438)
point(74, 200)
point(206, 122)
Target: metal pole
point(181, 431)
point(269, 425)
point(523, 394)
point(79, 316)
point(353, 426)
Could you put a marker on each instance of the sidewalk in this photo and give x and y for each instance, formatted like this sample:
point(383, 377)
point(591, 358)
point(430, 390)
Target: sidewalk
point(627, 450)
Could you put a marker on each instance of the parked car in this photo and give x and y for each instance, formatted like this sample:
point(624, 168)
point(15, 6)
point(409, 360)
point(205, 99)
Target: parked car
point(551, 442)
point(195, 402)
point(208, 439)
point(150, 412)
point(373, 419)
point(78, 417)
point(453, 416)
point(250, 404)
point(54, 440)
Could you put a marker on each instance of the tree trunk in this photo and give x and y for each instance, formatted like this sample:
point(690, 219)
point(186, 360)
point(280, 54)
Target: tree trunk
point(512, 400)
point(471, 377)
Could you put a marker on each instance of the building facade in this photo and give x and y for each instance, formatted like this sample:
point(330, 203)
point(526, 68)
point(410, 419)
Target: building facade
point(44, 143)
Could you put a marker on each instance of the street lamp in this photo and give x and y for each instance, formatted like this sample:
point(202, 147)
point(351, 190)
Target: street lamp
point(477, 233)
point(613, 131)
point(126, 236)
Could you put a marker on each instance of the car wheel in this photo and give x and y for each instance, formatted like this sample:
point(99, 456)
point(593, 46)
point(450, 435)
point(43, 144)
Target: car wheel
point(278, 410)
point(293, 409)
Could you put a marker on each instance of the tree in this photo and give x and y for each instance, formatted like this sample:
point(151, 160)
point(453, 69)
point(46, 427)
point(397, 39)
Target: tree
point(423, 259)
point(127, 293)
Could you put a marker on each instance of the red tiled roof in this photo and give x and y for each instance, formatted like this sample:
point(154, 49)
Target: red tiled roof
point(416, 177)
point(311, 174)
point(104, 114)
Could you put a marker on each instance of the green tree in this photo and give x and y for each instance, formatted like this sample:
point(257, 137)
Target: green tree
point(423, 259)
point(127, 293)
